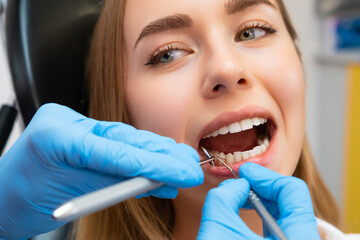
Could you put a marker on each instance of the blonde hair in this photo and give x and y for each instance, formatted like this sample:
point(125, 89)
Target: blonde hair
point(153, 218)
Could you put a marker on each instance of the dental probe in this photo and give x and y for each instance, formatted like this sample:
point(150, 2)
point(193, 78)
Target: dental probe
point(107, 197)
point(256, 203)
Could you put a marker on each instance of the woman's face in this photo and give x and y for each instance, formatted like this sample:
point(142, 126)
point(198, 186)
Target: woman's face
point(221, 74)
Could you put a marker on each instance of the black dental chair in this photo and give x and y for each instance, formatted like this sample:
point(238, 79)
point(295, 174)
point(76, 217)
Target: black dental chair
point(47, 43)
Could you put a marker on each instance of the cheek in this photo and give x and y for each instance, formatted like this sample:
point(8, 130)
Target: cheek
point(291, 98)
point(282, 75)
point(286, 85)
point(289, 92)
point(284, 70)
point(160, 104)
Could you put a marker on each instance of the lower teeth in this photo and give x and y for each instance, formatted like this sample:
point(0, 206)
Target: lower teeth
point(231, 158)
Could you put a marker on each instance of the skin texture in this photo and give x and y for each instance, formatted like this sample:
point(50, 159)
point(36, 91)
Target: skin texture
point(179, 98)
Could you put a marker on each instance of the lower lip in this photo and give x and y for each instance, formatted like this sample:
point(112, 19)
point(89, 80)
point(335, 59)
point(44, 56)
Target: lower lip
point(263, 159)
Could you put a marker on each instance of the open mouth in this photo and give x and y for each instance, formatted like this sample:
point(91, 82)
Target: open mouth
point(240, 140)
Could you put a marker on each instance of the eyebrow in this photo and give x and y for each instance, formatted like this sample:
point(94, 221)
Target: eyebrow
point(179, 21)
point(233, 6)
point(176, 21)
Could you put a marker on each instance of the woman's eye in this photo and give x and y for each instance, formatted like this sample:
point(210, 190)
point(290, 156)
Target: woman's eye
point(253, 30)
point(170, 56)
point(251, 34)
point(166, 56)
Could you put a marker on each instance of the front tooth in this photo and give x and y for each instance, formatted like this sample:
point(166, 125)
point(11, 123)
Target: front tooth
point(235, 127)
point(222, 155)
point(237, 156)
point(229, 158)
point(246, 124)
point(256, 121)
point(223, 130)
point(245, 155)
point(215, 133)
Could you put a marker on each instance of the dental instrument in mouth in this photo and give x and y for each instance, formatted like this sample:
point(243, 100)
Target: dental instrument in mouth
point(256, 203)
point(109, 196)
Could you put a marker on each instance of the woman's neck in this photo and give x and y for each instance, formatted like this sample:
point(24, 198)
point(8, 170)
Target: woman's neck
point(188, 217)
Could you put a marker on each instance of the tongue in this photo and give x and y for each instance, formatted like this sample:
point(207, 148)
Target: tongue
point(229, 143)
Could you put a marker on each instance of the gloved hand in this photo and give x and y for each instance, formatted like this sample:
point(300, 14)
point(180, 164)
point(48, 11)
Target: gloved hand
point(63, 154)
point(287, 198)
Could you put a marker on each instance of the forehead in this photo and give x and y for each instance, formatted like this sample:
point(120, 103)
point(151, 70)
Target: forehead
point(159, 7)
point(139, 13)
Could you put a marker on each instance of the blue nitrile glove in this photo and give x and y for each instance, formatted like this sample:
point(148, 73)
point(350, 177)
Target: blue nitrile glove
point(63, 154)
point(287, 198)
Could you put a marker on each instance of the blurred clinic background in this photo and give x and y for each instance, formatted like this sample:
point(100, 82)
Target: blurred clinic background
point(329, 39)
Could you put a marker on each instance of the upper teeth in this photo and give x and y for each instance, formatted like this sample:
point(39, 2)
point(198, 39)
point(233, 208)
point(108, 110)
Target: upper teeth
point(236, 127)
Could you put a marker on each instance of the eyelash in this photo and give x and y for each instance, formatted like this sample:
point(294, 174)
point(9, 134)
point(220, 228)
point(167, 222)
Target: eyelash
point(153, 59)
point(253, 25)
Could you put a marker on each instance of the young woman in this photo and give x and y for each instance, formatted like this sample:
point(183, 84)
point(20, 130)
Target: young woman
point(223, 74)
point(191, 69)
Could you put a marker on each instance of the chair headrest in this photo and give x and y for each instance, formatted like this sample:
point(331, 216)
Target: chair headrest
point(47, 44)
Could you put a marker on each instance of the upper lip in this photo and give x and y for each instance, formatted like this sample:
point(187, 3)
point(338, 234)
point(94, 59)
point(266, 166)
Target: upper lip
point(229, 117)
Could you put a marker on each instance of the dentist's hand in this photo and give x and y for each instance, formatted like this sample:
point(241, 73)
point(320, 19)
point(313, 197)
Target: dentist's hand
point(287, 199)
point(62, 155)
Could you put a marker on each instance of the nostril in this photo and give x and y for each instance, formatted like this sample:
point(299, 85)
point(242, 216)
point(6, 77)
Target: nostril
point(216, 88)
point(241, 81)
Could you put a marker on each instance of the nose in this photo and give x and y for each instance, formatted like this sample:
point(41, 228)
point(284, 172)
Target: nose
point(226, 72)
